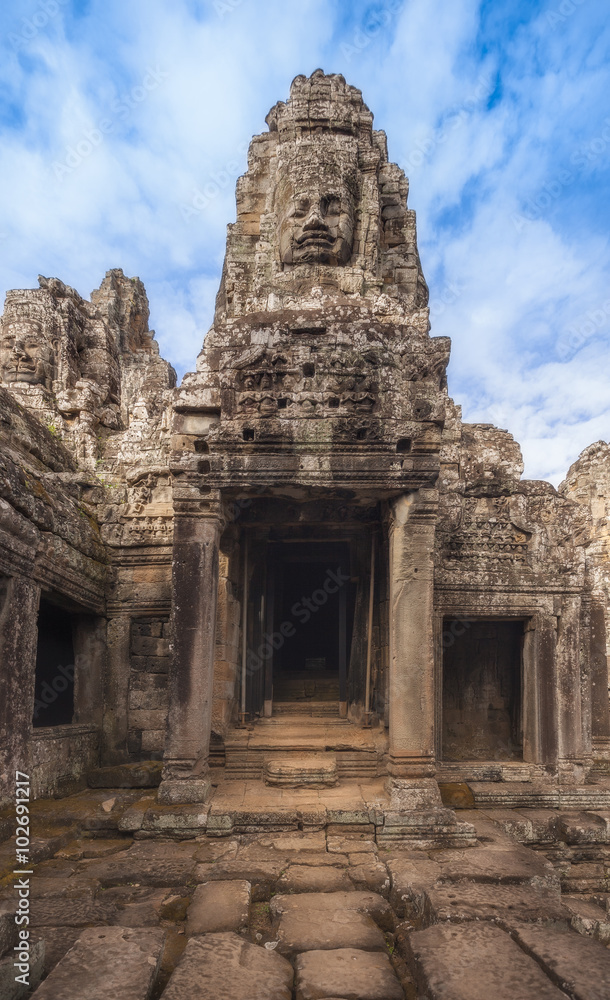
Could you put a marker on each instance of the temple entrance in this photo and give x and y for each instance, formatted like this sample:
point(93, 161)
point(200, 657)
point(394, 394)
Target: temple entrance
point(311, 604)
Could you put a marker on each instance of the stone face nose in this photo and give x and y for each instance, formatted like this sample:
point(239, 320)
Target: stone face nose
point(315, 221)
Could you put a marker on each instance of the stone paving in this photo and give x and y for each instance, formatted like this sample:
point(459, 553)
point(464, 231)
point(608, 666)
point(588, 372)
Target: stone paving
point(325, 914)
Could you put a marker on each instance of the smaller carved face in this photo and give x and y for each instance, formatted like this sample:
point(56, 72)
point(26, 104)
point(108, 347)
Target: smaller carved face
point(26, 356)
point(317, 226)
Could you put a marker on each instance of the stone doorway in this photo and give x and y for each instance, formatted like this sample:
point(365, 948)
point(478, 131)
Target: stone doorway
point(310, 614)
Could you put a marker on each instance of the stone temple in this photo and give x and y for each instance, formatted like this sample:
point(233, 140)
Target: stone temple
point(299, 570)
point(304, 688)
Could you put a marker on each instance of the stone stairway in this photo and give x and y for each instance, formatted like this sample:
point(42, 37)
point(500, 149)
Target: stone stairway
point(290, 736)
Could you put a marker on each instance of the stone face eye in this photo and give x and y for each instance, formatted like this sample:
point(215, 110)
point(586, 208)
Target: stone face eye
point(331, 205)
point(301, 206)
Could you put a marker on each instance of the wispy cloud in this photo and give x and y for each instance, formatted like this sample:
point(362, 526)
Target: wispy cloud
point(124, 127)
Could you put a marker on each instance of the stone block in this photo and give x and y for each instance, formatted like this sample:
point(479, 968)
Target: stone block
point(262, 875)
point(488, 864)
point(153, 863)
point(331, 929)
point(409, 880)
point(226, 965)
point(117, 962)
point(144, 645)
point(346, 972)
point(475, 962)
point(459, 902)
point(318, 903)
point(578, 965)
point(588, 918)
point(8, 927)
point(310, 878)
point(219, 906)
point(9, 988)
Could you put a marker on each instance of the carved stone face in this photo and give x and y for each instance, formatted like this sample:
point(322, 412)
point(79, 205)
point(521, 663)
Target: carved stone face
point(26, 355)
point(316, 224)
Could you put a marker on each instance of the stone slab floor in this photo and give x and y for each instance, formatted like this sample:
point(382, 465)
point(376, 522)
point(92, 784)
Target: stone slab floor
point(126, 913)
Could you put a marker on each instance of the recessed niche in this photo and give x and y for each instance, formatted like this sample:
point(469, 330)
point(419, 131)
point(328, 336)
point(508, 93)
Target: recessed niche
point(309, 369)
point(403, 445)
point(203, 466)
point(248, 434)
point(201, 447)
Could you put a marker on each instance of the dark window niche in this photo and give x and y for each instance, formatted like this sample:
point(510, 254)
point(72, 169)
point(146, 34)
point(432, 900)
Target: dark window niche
point(333, 402)
point(203, 466)
point(482, 690)
point(282, 403)
point(248, 434)
point(361, 434)
point(54, 683)
point(403, 445)
point(201, 447)
point(309, 369)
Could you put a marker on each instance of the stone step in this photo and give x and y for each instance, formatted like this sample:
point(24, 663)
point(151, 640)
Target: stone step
point(117, 962)
point(291, 771)
point(227, 965)
point(474, 961)
point(578, 965)
point(244, 765)
point(346, 972)
point(316, 709)
point(518, 794)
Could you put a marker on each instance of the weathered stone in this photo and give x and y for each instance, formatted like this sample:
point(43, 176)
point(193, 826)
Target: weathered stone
point(154, 864)
point(475, 962)
point(331, 929)
point(463, 901)
point(588, 918)
point(409, 879)
point(226, 965)
point(114, 961)
point(355, 975)
point(579, 966)
point(262, 875)
point(308, 878)
point(508, 867)
point(330, 902)
point(315, 771)
point(219, 906)
point(32, 968)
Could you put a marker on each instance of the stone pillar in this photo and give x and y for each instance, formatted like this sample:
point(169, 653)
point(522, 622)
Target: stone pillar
point(19, 599)
point(197, 529)
point(574, 755)
point(412, 528)
point(116, 690)
point(600, 704)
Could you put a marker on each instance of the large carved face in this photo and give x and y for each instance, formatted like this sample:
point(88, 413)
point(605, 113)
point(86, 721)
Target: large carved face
point(316, 222)
point(25, 353)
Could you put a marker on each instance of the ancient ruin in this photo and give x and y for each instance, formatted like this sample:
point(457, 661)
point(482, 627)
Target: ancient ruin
point(296, 592)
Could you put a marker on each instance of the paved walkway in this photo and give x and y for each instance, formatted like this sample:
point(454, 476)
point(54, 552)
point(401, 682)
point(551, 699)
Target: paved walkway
point(309, 915)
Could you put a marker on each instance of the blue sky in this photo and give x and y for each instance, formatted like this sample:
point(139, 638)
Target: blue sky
point(125, 125)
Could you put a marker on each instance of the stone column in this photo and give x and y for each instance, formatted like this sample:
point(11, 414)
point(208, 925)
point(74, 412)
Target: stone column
point(412, 528)
point(574, 755)
point(197, 529)
point(116, 690)
point(600, 704)
point(19, 599)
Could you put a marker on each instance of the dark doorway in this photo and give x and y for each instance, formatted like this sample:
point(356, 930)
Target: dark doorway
point(54, 686)
point(313, 609)
point(482, 690)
